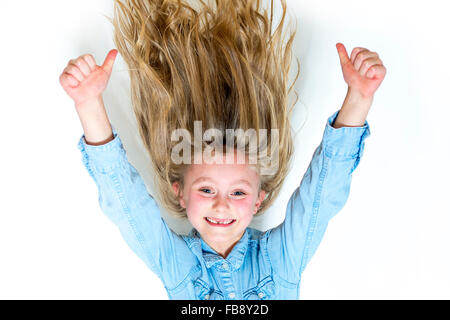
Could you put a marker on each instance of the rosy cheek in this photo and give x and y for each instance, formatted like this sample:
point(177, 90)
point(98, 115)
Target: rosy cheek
point(197, 204)
point(243, 205)
point(198, 200)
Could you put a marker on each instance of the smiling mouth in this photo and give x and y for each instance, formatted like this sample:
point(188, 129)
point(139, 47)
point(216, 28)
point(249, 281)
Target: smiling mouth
point(219, 222)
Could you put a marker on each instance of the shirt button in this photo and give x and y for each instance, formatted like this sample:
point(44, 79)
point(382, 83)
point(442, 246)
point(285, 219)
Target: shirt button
point(207, 297)
point(261, 294)
point(225, 266)
point(232, 295)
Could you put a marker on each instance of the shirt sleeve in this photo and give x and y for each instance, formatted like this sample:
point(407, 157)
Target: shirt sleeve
point(124, 199)
point(321, 194)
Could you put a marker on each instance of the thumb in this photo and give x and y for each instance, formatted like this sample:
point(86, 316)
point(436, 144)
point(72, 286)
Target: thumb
point(109, 61)
point(343, 55)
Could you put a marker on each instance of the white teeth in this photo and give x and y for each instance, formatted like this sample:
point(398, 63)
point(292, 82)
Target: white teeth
point(217, 222)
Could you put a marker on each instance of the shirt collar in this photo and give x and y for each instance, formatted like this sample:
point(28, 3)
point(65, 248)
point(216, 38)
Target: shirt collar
point(203, 251)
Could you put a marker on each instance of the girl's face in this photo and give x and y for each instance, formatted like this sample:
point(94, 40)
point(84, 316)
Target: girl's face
point(220, 201)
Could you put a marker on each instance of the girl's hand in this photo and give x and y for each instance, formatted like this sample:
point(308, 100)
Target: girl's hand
point(363, 71)
point(83, 80)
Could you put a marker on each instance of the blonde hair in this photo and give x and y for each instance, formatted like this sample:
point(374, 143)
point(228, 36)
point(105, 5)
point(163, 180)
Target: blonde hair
point(223, 67)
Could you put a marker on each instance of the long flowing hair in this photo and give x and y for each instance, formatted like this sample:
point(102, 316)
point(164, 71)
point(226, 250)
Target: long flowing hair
point(222, 64)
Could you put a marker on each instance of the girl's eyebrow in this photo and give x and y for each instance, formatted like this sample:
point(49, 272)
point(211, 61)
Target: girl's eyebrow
point(205, 179)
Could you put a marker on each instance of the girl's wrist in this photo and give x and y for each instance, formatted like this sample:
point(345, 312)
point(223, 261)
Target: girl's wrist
point(354, 110)
point(89, 103)
point(95, 122)
point(356, 96)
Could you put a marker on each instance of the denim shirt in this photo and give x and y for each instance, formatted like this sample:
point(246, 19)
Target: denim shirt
point(262, 265)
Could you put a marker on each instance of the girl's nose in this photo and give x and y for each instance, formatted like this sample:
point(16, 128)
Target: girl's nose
point(220, 203)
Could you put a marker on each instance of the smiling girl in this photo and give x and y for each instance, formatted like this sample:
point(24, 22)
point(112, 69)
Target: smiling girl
point(221, 65)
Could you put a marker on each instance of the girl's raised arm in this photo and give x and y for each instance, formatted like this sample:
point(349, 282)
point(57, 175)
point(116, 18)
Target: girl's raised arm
point(124, 199)
point(321, 194)
point(325, 186)
point(123, 196)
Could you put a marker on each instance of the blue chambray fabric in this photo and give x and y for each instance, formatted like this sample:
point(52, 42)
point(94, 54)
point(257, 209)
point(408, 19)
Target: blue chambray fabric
point(262, 265)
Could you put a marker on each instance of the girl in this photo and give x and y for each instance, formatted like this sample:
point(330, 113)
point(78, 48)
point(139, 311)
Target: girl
point(221, 66)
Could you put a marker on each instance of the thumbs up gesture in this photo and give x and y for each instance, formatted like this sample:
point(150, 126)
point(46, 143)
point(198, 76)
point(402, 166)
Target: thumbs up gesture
point(363, 71)
point(83, 80)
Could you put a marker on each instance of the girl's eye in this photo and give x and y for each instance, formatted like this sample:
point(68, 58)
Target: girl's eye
point(234, 193)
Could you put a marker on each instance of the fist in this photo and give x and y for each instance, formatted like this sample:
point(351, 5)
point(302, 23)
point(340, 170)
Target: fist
point(363, 71)
point(84, 80)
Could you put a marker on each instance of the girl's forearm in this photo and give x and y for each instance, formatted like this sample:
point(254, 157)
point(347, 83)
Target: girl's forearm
point(354, 110)
point(95, 122)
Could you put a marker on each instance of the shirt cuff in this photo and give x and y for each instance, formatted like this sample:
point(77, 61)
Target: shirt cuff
point(347, 142)
point(105, 156)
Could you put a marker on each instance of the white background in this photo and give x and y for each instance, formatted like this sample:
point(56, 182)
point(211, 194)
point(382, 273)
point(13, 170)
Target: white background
point(390, 241)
